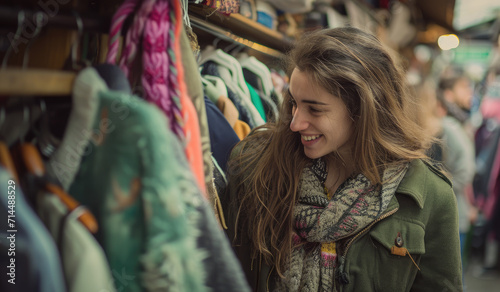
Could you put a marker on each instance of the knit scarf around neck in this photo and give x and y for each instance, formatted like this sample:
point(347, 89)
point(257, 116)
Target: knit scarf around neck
point(320, 222)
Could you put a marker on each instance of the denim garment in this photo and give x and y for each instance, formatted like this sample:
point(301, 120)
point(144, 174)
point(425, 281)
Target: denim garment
point(36, 259)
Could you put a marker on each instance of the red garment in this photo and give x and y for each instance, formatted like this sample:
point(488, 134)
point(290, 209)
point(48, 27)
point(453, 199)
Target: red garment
point(193, 150)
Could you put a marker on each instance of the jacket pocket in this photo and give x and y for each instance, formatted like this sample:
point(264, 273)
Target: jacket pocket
point(399, 245)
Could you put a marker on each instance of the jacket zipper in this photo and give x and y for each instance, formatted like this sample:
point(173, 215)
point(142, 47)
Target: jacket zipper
point(342, 258)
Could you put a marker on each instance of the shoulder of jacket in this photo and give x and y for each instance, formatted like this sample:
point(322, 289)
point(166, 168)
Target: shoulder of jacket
point(437, 170)
point(421, 179)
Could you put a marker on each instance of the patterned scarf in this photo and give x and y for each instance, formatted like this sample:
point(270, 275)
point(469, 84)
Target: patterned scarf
point(320, 222)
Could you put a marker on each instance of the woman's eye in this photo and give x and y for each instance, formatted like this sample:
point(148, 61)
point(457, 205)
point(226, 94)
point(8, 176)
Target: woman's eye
point(314, 110)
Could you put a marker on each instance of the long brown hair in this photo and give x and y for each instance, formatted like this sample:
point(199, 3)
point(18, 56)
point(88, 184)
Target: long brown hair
point(354, 66)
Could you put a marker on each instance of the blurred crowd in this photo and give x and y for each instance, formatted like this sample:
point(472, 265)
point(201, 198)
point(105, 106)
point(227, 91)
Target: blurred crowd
point(463, 113)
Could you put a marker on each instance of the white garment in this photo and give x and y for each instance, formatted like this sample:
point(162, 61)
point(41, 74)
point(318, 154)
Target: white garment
point(231, 72)
point(64, 163)
point(84, 262)
point(258, 68)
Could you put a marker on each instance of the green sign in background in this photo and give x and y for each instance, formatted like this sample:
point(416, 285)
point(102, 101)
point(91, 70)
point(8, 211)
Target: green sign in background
point(473, 53)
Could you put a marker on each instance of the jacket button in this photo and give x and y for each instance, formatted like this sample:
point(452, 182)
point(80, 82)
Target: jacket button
point(399, 240)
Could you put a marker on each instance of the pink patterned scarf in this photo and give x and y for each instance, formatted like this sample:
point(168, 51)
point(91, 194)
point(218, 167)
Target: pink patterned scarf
point(320, 223)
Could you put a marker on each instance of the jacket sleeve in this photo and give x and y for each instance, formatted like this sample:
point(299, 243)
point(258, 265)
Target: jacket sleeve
point(440, 265)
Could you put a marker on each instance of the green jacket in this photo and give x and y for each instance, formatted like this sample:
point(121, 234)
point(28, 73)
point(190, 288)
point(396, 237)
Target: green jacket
point(423, 212)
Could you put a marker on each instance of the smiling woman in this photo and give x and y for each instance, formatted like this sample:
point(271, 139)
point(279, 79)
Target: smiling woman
point(314, 118)
point(338, 193)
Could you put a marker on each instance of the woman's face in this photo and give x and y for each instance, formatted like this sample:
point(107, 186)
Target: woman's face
point(321, 118)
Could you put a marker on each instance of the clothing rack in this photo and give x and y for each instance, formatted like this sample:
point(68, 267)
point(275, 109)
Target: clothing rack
point(238, 28)
point(66, 19)
point(202, 26)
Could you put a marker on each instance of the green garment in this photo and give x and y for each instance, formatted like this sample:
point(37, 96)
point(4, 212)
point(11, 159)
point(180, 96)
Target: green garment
point(135, 179)
point(256, 101)
point(423, 211)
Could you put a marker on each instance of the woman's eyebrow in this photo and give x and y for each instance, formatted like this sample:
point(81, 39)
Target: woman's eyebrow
point(309, 101)
point(314, 102)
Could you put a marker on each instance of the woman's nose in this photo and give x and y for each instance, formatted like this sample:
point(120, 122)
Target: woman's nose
point(299, 122)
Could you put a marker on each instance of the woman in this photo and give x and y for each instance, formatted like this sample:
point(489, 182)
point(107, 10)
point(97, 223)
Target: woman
point(337, 195)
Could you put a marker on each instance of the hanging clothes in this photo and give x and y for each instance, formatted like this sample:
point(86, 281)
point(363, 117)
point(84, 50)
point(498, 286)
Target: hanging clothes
point(244, 109)
point(216, 92)
point(159, 24)
point(222, 136)
point(258, 75)
point(155, 227)
point(195, 92)
point(144, 200)
point(114, 77)
point(218, 63)
point(85, 266)
point(65, 162)
point(29, 251)
point(257, 102)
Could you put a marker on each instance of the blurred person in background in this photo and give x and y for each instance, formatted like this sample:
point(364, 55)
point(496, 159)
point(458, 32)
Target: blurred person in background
point(486, 181)
point(453, 149)
point(456, 93)
point(458, 148)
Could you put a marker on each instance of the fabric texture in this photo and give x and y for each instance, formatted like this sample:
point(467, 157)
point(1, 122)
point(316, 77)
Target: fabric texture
point(241, 129)
point(222, 136)
point(159, 25)
point(114, 77)
point(319, 221)
point(248, 112)
point(86, 268)
point(226, 106)
point(192, 132)
point(270, 105)
point(257, 102)
point(195, 92)
point(64, 163)
point(115, 30)
point(137, 183)
point(36, 265)
point(223, 271)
